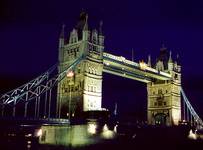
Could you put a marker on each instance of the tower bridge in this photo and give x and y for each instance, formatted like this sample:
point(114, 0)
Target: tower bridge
point(78, 82)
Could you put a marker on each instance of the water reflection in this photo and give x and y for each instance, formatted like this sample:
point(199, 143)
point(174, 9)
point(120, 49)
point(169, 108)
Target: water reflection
point(76, 135)
point(96, 135)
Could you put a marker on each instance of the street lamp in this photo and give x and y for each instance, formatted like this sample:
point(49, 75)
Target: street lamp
point(70, 74)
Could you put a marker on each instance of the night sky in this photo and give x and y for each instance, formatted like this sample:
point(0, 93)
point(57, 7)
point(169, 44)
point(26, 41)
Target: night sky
point(29, 31)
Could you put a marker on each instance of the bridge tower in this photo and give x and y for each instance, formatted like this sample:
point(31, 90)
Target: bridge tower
point(82, 91)
point(164, 98)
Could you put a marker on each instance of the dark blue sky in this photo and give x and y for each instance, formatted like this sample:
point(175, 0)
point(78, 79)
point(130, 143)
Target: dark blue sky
point(29, 31)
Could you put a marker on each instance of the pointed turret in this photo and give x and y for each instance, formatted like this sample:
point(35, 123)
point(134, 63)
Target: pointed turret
point(101, 36)
point(170, 58)
point(100, 27)
point(178, 59)
point(85, 31)
point(95, 36)
point(61, 44)
point(62, 36)
point(149, 61)
point(178, 63)
point(170, 62)
point(85, 28)
point(73, 36)
point(81, 24)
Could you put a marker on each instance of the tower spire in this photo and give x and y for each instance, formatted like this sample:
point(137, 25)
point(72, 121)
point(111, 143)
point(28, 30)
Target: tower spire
point(178, 59)
point(170, 58)
point(61, 45)
point(115, 109)
point(149, 61)
point(100, 27)
point(85, 28)
point(62, 34)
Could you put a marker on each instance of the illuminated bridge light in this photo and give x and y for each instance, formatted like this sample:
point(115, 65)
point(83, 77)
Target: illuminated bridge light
point(70, 74)
point(38, 133)
point(92, 128)
point(143, 65)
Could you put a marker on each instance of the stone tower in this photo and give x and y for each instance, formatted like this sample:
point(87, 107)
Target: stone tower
point(164, 99)
point(83, 91)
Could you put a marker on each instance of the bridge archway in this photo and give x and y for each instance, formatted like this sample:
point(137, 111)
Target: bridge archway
point(160, 119)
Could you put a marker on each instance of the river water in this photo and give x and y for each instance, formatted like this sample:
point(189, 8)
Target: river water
point(96, 136)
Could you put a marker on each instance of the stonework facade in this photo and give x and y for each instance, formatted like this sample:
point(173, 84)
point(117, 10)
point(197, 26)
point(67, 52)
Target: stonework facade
point(164, 98)
point(83, 91)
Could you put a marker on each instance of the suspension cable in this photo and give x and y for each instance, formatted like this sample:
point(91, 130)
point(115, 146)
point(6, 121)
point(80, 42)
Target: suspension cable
point(192, 111)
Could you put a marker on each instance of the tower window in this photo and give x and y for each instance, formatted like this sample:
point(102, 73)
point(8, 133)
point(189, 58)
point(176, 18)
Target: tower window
point(164, 103)
point(75, 54)
point(159, 91)
point(155, 103)
point(159, 103)
point(176, 76)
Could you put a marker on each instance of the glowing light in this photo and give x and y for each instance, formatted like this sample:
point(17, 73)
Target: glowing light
point(176, 116)
point(143, 65)
point(107, 134)
point(105, 128)
point(192, 135)
point(38, 133)
point(92, 128)
point(115, 128)
point(28, 135)
point(70, 74)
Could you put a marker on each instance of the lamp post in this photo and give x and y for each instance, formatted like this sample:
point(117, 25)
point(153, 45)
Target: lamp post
point(70, 74)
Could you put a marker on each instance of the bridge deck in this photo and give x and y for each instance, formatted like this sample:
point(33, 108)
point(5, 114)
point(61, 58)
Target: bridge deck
point(125, 68)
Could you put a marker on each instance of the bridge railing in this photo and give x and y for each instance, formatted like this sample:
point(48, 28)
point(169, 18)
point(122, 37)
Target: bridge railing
point(33, 90)
point(11, 95)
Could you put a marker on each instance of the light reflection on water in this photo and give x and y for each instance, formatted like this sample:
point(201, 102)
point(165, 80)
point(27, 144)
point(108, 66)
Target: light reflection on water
point(76, 135)
point(94, 135)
